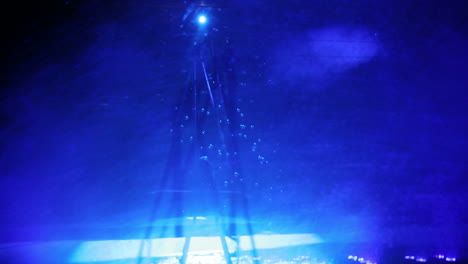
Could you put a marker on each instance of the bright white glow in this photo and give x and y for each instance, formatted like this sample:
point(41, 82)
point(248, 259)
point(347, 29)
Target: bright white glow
point(202, 19)
point(278, 241)
point(108, 250)
point(214, 258)
point(196, 217)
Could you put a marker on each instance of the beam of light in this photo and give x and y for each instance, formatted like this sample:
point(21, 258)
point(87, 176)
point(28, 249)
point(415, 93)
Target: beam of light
point(109, 250)
point(202, 19)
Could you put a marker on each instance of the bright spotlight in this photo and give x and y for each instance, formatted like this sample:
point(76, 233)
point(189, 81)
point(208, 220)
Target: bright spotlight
point(202, 19)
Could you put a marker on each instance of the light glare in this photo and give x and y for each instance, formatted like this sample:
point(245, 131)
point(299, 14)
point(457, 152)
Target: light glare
point(202, 19)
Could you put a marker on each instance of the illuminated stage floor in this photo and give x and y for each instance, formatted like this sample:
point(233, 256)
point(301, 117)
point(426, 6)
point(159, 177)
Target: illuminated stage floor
point(122, 252)
point(292, 243)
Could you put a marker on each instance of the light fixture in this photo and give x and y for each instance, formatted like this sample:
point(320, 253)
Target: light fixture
point(202, 19)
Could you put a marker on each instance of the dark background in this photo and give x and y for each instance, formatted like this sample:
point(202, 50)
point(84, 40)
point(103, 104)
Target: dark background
point(364, 137)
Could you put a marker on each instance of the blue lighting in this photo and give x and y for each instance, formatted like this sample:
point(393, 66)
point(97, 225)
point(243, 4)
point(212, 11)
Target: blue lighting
point(114, 250)
point(202, 19)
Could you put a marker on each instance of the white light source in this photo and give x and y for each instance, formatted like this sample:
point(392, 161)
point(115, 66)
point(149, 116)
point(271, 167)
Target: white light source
point(202, 19)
